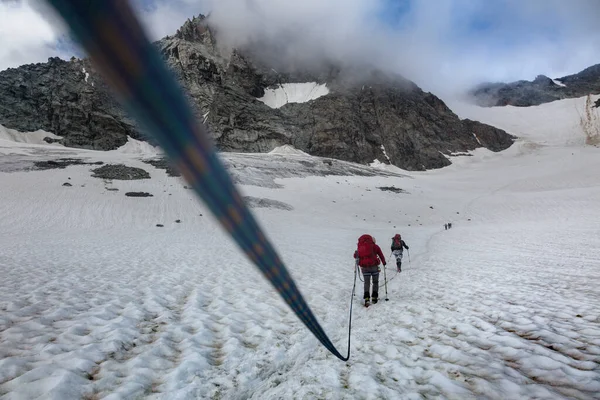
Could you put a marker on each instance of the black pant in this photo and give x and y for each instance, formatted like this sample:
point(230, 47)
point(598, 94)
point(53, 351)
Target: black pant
point(368, 273)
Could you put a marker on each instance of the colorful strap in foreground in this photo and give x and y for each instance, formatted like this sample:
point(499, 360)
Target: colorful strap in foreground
point(113, 37)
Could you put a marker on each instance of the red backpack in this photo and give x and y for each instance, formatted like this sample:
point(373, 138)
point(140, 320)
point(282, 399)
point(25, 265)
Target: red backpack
point(366, 251)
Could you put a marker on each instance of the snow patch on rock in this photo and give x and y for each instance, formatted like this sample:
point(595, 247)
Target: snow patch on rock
point(559, 83)
point(138, 147)
point(385, 154)
point(387, 167)
point(288, 150)
point(293, 93)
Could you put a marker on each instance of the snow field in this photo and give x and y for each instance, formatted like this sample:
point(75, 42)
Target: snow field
point(98, 302)
point(553, 124)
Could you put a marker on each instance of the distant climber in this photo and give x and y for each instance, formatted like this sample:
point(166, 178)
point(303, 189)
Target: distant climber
point(449, 225)
point(367, 256)
point(398, 246)
point(445, 227)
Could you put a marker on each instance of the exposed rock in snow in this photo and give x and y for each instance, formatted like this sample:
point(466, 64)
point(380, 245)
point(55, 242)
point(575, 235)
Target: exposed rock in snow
point(293, 93)
point(120, 172)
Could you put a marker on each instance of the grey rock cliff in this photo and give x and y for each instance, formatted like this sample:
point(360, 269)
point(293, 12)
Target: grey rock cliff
point(67, 98)
point(366, 116)
point(539, 91)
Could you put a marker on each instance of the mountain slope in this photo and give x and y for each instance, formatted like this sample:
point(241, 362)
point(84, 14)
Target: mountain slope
point(539, 91)
point(357, 114)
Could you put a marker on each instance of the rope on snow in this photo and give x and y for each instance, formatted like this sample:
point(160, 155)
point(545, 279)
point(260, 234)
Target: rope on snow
point(116, 42)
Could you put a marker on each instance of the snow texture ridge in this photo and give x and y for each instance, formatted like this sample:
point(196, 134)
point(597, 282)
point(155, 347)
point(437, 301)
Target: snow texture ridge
point(104, 296)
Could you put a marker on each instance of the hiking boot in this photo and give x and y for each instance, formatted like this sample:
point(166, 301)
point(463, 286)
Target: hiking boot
point(374, 300)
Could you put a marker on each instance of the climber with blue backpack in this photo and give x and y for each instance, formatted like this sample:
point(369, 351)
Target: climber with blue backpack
point(368, 256)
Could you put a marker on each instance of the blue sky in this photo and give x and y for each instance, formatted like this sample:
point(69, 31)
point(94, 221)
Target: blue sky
point(441, 44)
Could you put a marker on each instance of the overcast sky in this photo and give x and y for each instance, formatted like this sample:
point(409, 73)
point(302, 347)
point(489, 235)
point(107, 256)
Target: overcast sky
point(443, 45)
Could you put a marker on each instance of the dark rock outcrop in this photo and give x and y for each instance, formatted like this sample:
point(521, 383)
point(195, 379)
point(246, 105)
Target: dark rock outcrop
point(366, 115)
point(539, 91)
point(138, 194)
point(120, 172)
point(162, 163)
point(67, 98)
point(392, 189)
point(63, 163)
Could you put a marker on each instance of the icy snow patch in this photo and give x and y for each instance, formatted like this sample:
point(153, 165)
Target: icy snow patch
point(138, 147)
point(387, 167)
point(36, 137)
point(559, 83)
point(385, 154)
point(87, 75)
point(288, 150)
point(293, 93)
point(553, 124)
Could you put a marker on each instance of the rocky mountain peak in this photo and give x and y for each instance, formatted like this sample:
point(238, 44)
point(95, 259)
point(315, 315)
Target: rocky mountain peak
point(197, 30)
point(251, 103)
point(541, 90)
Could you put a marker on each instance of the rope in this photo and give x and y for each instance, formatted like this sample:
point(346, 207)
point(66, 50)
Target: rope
point(350, 317)
point(358, 268)
point(118, 45)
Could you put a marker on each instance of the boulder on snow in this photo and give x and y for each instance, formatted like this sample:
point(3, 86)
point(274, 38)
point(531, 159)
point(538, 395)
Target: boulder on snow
point(391, 189)
point(138, 194)
point(162, 163)
point(120, 172)
point(63, 163)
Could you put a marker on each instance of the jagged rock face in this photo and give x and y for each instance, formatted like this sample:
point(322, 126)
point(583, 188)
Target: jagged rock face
point(539, 91)
point(363, 117)
point(67, 99)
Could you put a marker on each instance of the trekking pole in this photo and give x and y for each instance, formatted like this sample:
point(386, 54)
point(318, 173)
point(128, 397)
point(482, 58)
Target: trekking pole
point(408, 251)
point(385, 281)
point(355, 268)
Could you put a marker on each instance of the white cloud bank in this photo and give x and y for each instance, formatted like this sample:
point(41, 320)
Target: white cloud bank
point(443, 47)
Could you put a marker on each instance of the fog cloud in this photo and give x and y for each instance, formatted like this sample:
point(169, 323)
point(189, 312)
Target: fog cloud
point(443, 45)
